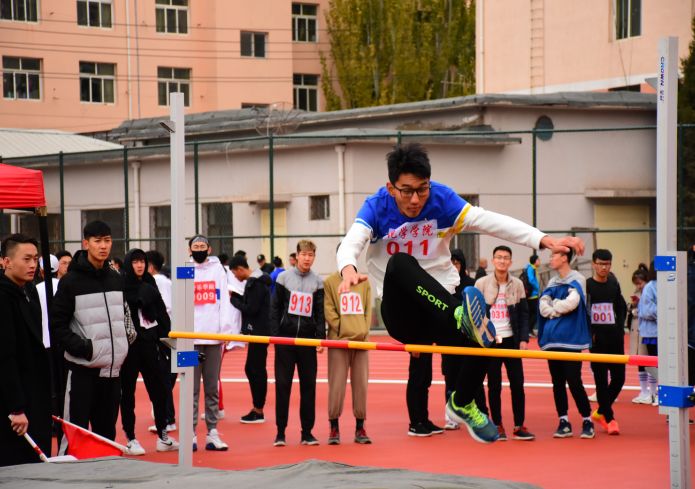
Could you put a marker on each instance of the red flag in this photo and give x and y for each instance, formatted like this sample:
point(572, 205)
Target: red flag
point(83, 443)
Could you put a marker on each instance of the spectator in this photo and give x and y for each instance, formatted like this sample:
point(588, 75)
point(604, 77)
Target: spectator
point(349, 317)
point(25, 385)
point(563, 327)
point(608, 311)
point(90, 320)
point(482, 268)
point(297, 311)
point(254, 305)
point(648, 331)
point(506, 303)
point(640, 277)
point(64, 259)
point(277, 263)
point(211, 315)
point(263, 265)
point(293, 260)
point(534, 288)
point(41, 289)
point(151, 322)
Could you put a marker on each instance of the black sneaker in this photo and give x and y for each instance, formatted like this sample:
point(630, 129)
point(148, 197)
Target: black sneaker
point(309, 439)
point(587, 429)
point(564, 429)
point(334, 437)
point(252, 418)
point(279, 440)
point(434, 429)
point(361, 437)
point(521, 433)
point(419, 429)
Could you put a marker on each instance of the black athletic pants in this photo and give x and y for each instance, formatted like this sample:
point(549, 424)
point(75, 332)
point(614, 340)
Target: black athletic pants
point(286, 357)
point(515, 374)
point(568, 372)
point(256, 372)
point(417, 309)
point(608, 339)
point(143, 359)
point(91, 400)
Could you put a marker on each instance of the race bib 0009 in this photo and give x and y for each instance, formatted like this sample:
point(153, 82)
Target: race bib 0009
point(204, 293)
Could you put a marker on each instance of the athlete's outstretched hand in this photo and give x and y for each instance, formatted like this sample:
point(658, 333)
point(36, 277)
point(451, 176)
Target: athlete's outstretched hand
point(350, 278)
point(563, 244)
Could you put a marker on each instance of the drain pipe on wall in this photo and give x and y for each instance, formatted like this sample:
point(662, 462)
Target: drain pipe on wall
point(340, 149)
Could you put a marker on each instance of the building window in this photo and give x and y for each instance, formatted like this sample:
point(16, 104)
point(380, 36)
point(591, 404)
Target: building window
point(218, 226)
point(306, 92)
point(628, 18)
point(467, 241)
point(115, 218)
point(21, 78)
point(94, 13)
point(251, 105)
point(160, 230)
point(29, 225)
point(97, 82)
point(173, 80)
point(19, 10)
point(319, 207)
point(304, 22)
point(253, 44)
point(172, 16)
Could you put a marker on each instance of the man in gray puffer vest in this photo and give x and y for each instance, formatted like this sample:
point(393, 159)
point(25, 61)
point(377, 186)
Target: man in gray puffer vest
point(91, 323)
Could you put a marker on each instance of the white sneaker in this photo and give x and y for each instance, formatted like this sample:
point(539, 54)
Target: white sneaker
point(167, 444)
point(214, 442)
point(134, 448)
point(170, 427)
point(220, 415)
point(643, 399)
point(593, 397)
point(655, 400)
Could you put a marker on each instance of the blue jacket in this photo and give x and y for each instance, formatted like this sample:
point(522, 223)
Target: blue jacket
point(570, 331)
point(646, 311)
point(533, 281)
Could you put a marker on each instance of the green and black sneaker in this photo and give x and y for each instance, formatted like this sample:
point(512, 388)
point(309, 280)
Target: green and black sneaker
point(471, 318)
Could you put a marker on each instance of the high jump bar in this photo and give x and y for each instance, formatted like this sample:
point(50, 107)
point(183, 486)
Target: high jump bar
point(637, 360)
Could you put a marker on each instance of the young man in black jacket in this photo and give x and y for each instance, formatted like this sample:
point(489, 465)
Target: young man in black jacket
point(91, 322)
point(297, 311)
point(608, 312)
point(25, 383)
point(255, 312)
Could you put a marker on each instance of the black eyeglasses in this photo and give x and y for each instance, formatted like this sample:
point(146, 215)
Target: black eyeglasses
point(409, 192)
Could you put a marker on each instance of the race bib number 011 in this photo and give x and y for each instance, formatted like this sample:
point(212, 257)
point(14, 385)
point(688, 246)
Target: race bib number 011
point(602, 313)
point(414, 238)
point(204, 293)
point(301, 304)
point(351, 303)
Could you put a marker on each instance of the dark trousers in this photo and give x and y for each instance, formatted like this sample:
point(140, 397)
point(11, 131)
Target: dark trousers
point(565, 372)
point(691, 366)
point(256, 372)
point(417, 309)
point(608, 339)
point(286, 357)
point(91, 400)
point(417, 391)
point(515, 374)
point(143, 358)
point(169, 382)
point(532, 314)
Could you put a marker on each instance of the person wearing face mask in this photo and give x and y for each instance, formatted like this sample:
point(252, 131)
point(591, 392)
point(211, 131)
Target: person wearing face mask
point(212, 314)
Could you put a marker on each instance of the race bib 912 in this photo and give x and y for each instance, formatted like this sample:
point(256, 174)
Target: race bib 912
point(351, 303)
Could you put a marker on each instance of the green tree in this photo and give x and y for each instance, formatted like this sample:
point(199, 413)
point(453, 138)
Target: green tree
point(686, 115)
point(391, 51)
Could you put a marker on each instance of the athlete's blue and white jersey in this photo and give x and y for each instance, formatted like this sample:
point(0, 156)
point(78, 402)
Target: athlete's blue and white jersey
point(427, 236)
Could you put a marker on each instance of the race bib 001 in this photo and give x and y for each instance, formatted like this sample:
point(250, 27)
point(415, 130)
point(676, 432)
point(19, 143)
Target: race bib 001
point(602, 313)
point(351, 303)
point(204, 293)
point(301, 304)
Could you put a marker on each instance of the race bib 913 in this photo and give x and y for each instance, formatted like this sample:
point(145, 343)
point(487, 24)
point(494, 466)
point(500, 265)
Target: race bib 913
point(301, 304)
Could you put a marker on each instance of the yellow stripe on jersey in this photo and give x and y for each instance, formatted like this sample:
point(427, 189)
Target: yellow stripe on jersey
point(458, 224)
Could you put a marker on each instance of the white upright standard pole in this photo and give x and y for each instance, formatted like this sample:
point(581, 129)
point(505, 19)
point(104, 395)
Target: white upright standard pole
point(671, 271)
point(182, 286)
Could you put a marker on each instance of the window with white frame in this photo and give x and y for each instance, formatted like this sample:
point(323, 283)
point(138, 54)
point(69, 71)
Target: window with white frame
point(94, 13)
point(628, 18)
point(21, 78)
point(306, 90)
point(171, 80)
point(172, 16)
point(19, 10)
point(253, 44)
point(160, 229)
point(319, 207)
point(97, 82)
point(468, 242)
point(304, 20)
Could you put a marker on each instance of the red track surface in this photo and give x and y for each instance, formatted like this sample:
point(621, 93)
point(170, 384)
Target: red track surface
point(638, 458)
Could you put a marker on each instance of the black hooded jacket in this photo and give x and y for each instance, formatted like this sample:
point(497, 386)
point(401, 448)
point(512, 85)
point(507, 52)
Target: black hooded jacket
point(144, 299)
point(255, 305)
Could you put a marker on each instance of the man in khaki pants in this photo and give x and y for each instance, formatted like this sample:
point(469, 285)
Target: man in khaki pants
point(349, 317)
